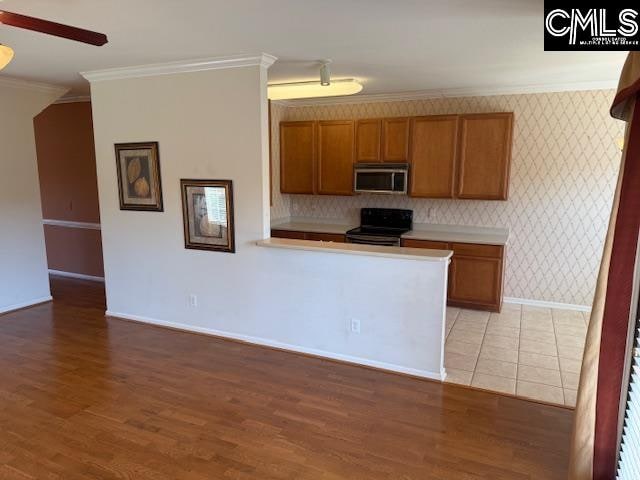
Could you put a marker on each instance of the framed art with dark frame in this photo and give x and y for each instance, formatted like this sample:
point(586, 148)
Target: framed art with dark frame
point(139, 183)
point(207, 214)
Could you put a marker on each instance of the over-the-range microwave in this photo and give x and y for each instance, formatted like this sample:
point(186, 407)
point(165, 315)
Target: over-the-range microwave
point(389, 178)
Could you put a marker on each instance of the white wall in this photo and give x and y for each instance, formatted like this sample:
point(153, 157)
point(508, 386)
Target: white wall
point(23, 265)
point(213, 124)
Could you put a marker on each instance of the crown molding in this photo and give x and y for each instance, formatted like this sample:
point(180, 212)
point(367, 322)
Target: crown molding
point(184, 66)
point(12, 82)
point(73, 99)
point(450, 93)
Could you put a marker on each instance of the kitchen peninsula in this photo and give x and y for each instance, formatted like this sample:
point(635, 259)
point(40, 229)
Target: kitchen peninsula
point(384, 307)
point(476, 273)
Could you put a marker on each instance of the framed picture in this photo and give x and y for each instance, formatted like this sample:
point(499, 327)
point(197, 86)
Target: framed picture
point(139, 184)
point(207, 214)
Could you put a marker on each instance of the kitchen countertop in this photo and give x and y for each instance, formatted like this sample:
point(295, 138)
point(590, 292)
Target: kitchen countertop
point(458, 233)
point(358, 249)
point(311, 225)
point(421, 231)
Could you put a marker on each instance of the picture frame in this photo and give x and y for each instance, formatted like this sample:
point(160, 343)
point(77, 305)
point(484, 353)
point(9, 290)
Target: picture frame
point(207, 215)
point(139, 178)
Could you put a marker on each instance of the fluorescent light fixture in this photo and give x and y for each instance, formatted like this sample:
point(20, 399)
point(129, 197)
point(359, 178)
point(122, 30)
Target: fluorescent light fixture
point(6, 55)
point(288, 91)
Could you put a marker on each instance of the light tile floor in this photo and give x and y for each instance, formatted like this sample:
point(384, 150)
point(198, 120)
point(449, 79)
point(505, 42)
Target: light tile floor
point(530, 352)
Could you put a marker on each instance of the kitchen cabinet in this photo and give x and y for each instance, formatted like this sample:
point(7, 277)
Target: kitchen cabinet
point(316, 236)
point(485, 156)
point(476, 273)
point(395, 139)
point(434, 142)
point(409, 242)
point(298, 157)
point(336, 151)
point(450, 156)
point(368, 140)
point(382, 140)
point(326, 237)
point(288, 234)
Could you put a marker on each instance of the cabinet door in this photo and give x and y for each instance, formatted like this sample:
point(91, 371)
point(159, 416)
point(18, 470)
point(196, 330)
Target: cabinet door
point(433, 156)
point(485, 156)
point(275, 233)
point(336, 150)
point(395, 139)
point(476, 276)
point(410, 242)
point(326, 237)
point(368, 139)
point(297, 157)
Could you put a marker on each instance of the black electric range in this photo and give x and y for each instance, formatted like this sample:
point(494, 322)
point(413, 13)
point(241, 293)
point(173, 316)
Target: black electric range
point(381, 226)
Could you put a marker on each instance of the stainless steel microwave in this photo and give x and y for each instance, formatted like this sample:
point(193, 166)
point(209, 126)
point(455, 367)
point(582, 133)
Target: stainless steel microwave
point(389, 178)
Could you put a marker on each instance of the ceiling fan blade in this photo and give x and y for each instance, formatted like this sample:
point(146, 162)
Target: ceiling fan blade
point(52, 28)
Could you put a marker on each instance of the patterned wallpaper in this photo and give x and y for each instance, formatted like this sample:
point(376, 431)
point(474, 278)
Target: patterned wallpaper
point(280, 204)
point(563, 175)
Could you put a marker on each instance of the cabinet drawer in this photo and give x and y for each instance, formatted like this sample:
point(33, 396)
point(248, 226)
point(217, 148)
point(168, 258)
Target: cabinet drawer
point(409, 242)
point(476, 250)
point(287, 234)
point(326, 237)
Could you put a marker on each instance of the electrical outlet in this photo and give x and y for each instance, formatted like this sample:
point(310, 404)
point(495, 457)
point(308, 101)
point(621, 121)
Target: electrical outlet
point(193, 300)
point(355, 325)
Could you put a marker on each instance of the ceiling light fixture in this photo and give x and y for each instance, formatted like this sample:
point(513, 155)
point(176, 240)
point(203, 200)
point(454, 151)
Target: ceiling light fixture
point(325, 74)
point(6, 55)
point(323, 88)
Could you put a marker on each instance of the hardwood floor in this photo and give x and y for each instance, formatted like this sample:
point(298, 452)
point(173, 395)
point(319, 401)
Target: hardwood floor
point(84, 397)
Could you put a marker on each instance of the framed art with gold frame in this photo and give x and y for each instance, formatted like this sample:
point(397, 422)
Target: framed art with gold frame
point(207, 214)
point(139, 183)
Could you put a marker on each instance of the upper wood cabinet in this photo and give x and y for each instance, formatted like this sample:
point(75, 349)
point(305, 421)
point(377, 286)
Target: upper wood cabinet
point(297, 157)
point(485, 156)
point(368, 140)
point(395, 139)
point(450, 156)
point(336, 150)
point(382, 140)
point(434, 141)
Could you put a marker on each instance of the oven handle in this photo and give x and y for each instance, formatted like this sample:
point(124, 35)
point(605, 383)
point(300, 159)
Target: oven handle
point(364, 240)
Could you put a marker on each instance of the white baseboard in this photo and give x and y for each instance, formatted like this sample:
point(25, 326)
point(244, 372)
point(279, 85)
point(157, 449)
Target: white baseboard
point(29, 303)
point(541, 303)
point(283, 346)
point(80, 276)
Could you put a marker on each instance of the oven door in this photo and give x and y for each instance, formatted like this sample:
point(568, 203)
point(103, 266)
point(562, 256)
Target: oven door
point(380, 180)
point(373, 240)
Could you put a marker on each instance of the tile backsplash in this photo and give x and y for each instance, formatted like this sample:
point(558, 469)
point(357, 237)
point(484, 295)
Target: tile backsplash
point(563, 175)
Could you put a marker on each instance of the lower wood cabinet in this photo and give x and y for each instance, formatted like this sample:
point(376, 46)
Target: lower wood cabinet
point(288, 234)
point(476, 273)
point(319, 237)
